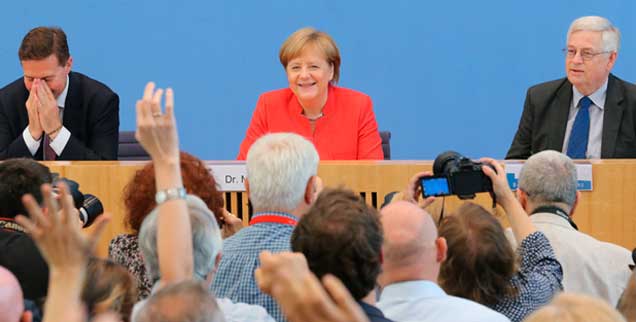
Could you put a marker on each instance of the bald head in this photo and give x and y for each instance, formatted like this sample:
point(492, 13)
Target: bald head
point(411, 247)
point(11, 301)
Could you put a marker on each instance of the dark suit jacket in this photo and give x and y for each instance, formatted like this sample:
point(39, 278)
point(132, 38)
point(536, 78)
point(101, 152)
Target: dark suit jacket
point(91, 114)
point(545, 116)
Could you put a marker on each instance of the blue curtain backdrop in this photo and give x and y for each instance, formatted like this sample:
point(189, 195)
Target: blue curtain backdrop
point(442, 75)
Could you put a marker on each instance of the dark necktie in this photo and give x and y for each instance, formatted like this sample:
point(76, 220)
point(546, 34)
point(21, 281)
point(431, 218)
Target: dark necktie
point(49, 154)
point(577, 144)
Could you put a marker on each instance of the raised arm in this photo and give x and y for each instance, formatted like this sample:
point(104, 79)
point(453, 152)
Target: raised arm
point(157, 133)
point(518, 218)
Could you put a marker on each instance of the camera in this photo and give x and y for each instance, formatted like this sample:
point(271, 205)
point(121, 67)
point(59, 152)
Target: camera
point(88, 205)
point(455, 174)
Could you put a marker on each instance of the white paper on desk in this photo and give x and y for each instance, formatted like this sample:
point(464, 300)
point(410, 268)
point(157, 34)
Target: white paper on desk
point(229, 177)
point(583, 174)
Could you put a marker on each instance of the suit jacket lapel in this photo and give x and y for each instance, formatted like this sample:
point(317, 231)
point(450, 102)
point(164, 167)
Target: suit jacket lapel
point(559, 118)
point(612, 116)
point(72, 105)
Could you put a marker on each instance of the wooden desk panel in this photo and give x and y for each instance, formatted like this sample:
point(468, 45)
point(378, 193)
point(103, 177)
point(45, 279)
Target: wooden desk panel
point(606, 213)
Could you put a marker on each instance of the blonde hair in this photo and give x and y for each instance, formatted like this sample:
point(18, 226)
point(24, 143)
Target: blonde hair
point(567, 307)
point(308, 36)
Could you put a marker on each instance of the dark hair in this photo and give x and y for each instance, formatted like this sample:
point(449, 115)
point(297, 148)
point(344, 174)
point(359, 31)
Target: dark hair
point(139, 193)
point(42, 42)
point(342, 236)
point(480, 260)
point(108, 286)
point(17, 178)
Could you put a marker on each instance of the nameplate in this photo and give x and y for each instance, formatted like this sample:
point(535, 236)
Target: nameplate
point(228, 176)
point(583, 173)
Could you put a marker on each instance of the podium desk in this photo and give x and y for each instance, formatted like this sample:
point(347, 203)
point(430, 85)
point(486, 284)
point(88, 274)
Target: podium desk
point(606, 212)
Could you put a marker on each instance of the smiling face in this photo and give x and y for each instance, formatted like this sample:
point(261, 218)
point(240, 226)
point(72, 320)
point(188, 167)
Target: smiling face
point(588, 75)
point(309, 75)
point(48, 70)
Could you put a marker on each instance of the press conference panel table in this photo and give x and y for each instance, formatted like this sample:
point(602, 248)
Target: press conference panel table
point(607, 212)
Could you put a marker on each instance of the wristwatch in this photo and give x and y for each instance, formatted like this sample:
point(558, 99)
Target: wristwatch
point(170, 194)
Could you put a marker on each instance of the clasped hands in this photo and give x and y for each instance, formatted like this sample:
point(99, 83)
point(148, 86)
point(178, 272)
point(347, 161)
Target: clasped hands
point(43, 112)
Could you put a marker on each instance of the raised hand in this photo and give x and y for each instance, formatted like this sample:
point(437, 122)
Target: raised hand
point(56, 233)
point(157, 130)
point(286, 277)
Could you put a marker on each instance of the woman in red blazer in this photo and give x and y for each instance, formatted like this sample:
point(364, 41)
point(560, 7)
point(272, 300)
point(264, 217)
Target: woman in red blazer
point(339, 122)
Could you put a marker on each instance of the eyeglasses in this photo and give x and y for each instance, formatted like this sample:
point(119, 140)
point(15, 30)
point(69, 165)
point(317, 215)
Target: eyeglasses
point(586, 54)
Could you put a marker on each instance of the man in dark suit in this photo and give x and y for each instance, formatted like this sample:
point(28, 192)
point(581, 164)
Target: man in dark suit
point(590, 113)
point(52, 113)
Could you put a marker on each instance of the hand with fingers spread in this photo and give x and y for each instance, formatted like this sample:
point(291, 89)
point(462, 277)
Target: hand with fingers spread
point(286, 277)
point(65, 249)
point(157, 130)
point(48, 110)
point(57, 234)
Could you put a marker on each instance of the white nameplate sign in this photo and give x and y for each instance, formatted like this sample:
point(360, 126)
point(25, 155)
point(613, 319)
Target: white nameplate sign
point(228, 176)
point(583, 173)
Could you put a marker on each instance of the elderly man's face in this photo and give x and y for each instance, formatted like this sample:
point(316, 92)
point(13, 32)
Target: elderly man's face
point(589, 67)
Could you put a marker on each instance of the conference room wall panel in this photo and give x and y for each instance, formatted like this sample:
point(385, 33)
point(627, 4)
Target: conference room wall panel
point(442, 75)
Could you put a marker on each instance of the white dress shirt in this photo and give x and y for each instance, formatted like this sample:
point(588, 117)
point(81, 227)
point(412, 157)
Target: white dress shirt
point(590, 266)
point(425, 301)
point(595, 136)
point(62, 137)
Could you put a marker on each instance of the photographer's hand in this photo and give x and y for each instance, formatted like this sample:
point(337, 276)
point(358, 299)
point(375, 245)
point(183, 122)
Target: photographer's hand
point(413, 191)
point(518, 218)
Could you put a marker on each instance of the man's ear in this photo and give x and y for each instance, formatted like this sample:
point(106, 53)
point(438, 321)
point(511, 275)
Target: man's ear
point(247, 188)
point(576, 203)
point(310, 191)
point(68, 65)
point(442, 249)
point(522, 196)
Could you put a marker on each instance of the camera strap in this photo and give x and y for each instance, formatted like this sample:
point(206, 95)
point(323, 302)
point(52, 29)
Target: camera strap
point(10, 224)
point(556, 211)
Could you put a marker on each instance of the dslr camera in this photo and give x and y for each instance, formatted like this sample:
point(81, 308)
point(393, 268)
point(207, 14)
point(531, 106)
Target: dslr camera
point(455, 174)
point(88, 205)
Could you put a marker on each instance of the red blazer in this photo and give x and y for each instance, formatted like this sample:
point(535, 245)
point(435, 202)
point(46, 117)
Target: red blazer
point(347, 131)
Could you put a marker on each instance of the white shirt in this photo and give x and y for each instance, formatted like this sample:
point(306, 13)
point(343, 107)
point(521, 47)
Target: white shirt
point(425, 301)
point(595, 136)
point(590, 266)
point(62, 137)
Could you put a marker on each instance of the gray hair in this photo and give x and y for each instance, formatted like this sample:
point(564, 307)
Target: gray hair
point(549, 177)
point(610, 35)
point(278, 169)
point(187, 301)
point(206, 239)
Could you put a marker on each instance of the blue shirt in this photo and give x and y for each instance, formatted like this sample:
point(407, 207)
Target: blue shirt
point(422, 301)
point(537, 281)
point(235, 276)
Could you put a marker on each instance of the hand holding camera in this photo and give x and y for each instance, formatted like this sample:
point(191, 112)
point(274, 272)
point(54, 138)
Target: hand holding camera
point(454, 174)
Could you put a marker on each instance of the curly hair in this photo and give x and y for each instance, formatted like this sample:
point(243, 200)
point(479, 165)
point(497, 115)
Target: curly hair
point(480, 260)
point(341, 235)
point(139, 193)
